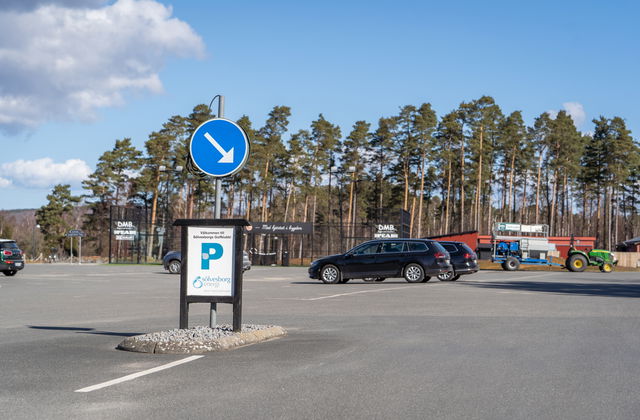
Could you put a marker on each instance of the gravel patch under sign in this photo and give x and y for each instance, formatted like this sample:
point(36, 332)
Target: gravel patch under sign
point(200, 339)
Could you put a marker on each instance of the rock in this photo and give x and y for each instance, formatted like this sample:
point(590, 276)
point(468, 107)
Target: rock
point(200, 339)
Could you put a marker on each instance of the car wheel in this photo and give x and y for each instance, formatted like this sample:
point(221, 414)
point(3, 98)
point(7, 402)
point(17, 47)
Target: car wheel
point(577, 263)
point(10, 273)
point(379, 279)
point(511, 264)
point(174, 267)
point(330, 274)
point(368, 279)
point(414, 273)
point(448, 276)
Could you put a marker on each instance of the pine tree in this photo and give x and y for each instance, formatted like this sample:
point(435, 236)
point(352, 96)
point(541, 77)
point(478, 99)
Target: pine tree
point(380, 158)
point(449, 135)
point(483, 118)
point(245, 178)
point(109, 185)
point(269, 145)
point(539, 138)
point(326, 140)
point(354, 149)
point(54, 217)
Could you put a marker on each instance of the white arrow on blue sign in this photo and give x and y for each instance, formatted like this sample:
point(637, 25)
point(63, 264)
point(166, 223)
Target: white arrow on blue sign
point(219, 147)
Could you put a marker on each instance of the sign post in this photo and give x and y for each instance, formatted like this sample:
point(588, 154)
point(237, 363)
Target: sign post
point(211, 265)
point(219, 148)
point(76, 233)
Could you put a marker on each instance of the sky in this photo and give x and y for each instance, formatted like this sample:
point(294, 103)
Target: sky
point(76, 75)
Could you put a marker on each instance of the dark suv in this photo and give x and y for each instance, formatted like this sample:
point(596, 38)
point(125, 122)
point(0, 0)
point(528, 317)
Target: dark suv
point(414, 259)
point(11, 259)
point(463, 260)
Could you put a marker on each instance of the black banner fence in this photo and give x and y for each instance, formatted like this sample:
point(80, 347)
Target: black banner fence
point(135, 240)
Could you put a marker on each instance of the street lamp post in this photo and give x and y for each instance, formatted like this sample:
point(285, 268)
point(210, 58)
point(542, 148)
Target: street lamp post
point(331, 168)
point(33, 241)
point(340, 185)
point(217, 210)
point(352, 203)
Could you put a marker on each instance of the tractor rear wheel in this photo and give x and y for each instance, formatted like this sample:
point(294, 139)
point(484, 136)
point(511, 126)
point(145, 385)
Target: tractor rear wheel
point(577, 263)
point(606, 267)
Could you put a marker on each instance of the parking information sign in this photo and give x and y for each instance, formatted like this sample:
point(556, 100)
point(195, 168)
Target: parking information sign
point(211, 261)
point(219, 147)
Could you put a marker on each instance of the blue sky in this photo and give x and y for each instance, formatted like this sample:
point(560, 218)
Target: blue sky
point(70, 87)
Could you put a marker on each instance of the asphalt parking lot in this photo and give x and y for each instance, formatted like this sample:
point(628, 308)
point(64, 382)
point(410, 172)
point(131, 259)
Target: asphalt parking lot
point(495, 345)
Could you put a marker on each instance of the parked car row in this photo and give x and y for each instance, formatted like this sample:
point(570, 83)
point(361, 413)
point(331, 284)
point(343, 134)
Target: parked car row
point(415, 260)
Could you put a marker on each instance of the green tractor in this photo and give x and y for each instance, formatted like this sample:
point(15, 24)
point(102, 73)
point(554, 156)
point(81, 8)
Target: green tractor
point(578, 261)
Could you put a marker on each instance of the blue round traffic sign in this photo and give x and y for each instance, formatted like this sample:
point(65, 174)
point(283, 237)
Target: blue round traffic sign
point(219, 147)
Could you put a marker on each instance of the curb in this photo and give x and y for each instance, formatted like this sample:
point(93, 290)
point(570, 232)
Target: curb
point(230, 342)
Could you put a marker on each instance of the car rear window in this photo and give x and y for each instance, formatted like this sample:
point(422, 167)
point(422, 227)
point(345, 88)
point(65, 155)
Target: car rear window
point(467, 249)
point(438, 246)
point(8, 245)
point(417, 246)
point(450, 247)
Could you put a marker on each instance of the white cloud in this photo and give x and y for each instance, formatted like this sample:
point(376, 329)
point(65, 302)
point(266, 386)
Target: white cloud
point(32, 4)
point(44, 173)
point(63, 60)
point(575, 111)
point(5, 183)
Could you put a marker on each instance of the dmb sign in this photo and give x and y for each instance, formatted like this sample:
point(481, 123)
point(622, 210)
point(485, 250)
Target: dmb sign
point(124, 230)
point(386, 231)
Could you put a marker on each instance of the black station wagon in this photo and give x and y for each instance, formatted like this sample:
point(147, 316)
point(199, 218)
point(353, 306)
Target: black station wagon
point(463, 260)
point(414, 259)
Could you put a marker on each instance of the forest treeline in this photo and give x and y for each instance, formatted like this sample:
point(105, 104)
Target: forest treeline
point(456, 172)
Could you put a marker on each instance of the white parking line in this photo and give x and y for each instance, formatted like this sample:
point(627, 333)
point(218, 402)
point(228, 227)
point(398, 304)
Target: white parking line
point(355, 293)
point(516, 293)
point(268, 279)
point(137, 375)
point(498, 279)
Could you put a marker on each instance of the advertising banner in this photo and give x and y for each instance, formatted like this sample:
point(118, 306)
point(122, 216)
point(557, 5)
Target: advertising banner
point(298, 228)
point(124, 230)
point(385, 231)
point(211, 261)
point(517, 227)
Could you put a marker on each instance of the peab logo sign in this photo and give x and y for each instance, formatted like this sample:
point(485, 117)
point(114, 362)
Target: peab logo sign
point(210, 261)
point(385, 231)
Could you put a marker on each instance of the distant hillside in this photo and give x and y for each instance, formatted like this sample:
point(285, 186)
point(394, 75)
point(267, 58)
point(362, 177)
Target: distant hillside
point(18, 214)
point(18, 225)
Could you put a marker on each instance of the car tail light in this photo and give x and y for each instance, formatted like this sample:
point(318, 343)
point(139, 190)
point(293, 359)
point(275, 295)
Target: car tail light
point(467, 256)
point(440, 255)
point(7, 253)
